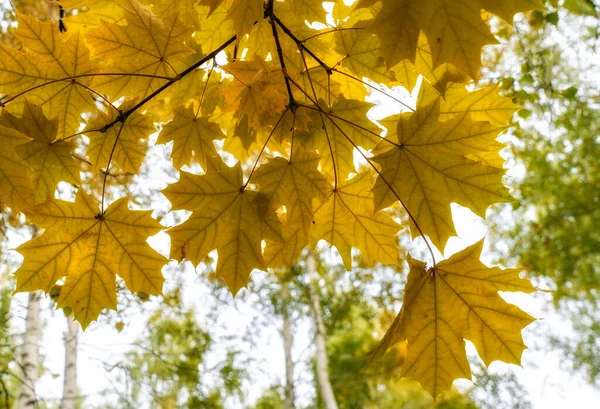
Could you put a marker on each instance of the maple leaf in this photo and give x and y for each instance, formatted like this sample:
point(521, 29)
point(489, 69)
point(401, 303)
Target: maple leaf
point(90, 249)
point(361, 50)
point(16, 188)
point(424, 164)
point(147, 46)
point(52, 71)
point(298, 186)
point(224, 218)
point(454, 29)
point(443, 306)
point(192, 137)
point(439, 76)
point(50, 159)
point(186, 10)
point(90, 13)
point(336, 131)
point(244, 14)
point(295, 184)
point(348, 220)
point(258, 91)
point(485, 104)
point(125, 144)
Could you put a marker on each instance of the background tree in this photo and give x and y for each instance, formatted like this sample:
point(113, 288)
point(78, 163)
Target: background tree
point(554, 228)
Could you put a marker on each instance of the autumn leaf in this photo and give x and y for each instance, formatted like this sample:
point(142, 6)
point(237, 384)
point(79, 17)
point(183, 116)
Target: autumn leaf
point(16, 187)
point(244, 13)
point(336, 131)
point(192, 137)
point(89, 249)
point(348, 219)
point(258, 91)
point(455, 301)
point(90, 13)
point(125, 144)
point(49, 158)
point(424, 165)
point(438, 76)
point(224, 218)
point(295, 186)
point(147, 46)
point(51, 71)
point(454, 29)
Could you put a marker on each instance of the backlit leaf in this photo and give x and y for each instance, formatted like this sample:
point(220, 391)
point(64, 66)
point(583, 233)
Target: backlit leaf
point(443, 306)
point(90, 249)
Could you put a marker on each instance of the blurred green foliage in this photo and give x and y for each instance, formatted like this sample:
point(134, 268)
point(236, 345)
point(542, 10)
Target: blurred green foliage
point(551, 70)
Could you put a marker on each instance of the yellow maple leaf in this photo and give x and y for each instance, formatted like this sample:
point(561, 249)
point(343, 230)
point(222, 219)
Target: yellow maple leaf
point(438, 76)
point(49, 158)
point(16, 188)
point(423, 164)
point(53, 71)
point(443, 306)
point(361, 51)
point(224, 218)
point(336, 131)
point(258, 91)
point(485, 104)
point(348, 219)
point(454, 29)
point(90, 249)
point(90, 13)
point(192, 137)
point(244, 14)
point(187, 10)
point(124, 144)
point(297, 186)
point(216, 27)
point(146, 51)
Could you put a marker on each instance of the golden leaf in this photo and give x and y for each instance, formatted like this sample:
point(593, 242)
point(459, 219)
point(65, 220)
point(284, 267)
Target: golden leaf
point(454, 29)
point(423, 164)
point(443, 306)
point(349, 219)
point(192, 137)
point(224, 218)
point(90, 249)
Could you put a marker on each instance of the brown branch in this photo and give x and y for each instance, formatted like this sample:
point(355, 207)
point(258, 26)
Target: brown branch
point(269, 12)
point(300, 43)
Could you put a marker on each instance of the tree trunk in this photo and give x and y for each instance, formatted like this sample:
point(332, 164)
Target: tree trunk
point(287, 346)
point(29, 356)
point(320, 341)
point(70, 383)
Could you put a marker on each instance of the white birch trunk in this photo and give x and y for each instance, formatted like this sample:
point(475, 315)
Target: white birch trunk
point(30, 355)
point(70, 381)
point(287, 346)
point(320, 337)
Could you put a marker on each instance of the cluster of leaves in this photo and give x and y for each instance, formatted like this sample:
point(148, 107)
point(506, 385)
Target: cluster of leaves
point(250, 82)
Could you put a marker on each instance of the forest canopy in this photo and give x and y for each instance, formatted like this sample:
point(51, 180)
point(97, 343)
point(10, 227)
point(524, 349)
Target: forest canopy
point(265, 107)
